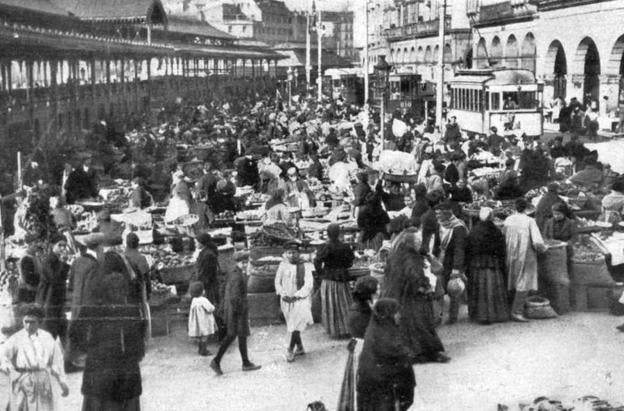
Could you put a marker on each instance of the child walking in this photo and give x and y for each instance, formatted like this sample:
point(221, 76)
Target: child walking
point(201, 322)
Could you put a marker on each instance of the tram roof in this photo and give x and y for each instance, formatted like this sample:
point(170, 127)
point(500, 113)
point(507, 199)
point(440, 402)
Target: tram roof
point(495, 77)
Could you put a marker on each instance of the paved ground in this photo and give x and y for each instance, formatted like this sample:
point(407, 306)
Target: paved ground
point(565, 358)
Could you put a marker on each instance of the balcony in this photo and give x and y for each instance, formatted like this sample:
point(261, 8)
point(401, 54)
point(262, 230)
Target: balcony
point(505, 12)
point(559, 4)
point(416, 30)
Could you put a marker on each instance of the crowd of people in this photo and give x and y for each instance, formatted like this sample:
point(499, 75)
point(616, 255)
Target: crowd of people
point(436, 258)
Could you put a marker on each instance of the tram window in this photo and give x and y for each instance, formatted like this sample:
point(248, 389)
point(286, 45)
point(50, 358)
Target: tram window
point(527, 100)
point(495, 101)
point(405, 87)
point(471, 100)
point(487, 100)
point(511, 101)
point(480, 101)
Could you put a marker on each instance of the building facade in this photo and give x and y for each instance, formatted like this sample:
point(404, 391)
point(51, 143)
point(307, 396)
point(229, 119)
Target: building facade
point(575, 46)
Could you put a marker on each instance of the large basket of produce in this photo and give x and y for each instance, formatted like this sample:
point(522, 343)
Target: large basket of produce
point(590, 269)
point(539, 308)
point(553, 264)
point(177, 274)
point(401, 178)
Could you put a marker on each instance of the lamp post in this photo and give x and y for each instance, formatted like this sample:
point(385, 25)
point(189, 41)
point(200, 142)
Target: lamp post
point(382, 75)
point(289, 79)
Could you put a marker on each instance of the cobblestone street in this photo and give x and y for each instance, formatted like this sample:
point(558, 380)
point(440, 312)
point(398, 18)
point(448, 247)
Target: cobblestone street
point(575, 355)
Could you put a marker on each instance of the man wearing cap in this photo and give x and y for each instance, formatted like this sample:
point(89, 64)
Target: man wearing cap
point(495, 142)
point(236, 313)
point(294, 283)
point(31, 358)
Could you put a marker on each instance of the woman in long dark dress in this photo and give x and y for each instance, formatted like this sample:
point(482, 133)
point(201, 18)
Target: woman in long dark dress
point(385, 377)
point(372, 220)
point(52, 291)
point(485, 251)
point(365, 292)
point(332, 262)
point(406, 282)
point(114, 336)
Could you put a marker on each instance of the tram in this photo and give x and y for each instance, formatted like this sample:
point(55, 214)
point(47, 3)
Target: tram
point(345, 83)
point(508, 99)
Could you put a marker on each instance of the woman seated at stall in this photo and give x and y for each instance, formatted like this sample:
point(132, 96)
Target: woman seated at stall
point(558, 226)
point(276, 209)
point(140, 198)
point(298, 194)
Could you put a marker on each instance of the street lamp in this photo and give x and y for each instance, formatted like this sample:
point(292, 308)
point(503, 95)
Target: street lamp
point(289, 78)
point(382, 77)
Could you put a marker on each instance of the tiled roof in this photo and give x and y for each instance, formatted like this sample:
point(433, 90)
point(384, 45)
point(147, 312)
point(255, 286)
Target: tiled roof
point(136, 10)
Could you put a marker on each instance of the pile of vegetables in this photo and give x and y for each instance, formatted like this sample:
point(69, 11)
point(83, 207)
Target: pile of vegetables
point(163, 257)
point(586, 250)
point(277, 234)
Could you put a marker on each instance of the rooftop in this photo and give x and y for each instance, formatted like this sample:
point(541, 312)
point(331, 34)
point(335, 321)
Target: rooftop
point(115, 10)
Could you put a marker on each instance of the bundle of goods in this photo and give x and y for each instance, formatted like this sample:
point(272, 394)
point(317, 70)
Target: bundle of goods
point(585, 249)
point(586, 403)
point(116, 197)
point(588, 265)
point(272, 235)
point(584, 225)
point(314, 212)
point(502, 209)
point(262, 278)
point(250, 215)
point(163, 257)
point(397, 166)
point(257, 198)
point(227, 215)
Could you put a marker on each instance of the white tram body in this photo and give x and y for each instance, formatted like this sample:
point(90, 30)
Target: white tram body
point(508, 99)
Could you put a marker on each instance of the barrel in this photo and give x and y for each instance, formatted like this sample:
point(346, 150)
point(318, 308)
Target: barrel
point(260, 282)
point(553, 264)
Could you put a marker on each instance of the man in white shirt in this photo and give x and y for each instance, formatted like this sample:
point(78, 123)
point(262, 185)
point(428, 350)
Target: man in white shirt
point(30, 357)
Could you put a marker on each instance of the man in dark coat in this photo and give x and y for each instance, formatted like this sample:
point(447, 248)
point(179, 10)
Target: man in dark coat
point(452, 135)
point(82, 276)
point(421, 205)
point(81, 183)
point(236, 313)
point(247, 168)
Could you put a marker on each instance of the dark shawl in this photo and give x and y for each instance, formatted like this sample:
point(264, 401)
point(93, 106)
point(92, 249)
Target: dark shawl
point(333, 260)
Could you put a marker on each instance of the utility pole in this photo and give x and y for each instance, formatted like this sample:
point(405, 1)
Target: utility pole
point(366, 64)
point(319, 36)
point(308, 66)
point(440, 86)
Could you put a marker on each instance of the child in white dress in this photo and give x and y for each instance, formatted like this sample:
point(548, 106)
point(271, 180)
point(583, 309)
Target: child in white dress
point(201, 322)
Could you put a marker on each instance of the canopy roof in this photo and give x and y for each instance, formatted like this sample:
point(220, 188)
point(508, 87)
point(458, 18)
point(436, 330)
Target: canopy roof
point(190, 25)
point(495, 77)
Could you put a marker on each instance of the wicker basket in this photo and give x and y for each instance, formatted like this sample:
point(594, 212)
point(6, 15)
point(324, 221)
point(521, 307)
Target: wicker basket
point(553, 264)
point(539, 308)
point(596, 273)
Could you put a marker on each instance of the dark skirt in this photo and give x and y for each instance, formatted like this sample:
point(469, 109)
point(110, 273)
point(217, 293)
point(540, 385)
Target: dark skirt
point(90, 403)
point(418, 327)
point(487, 296)
point(335, 302)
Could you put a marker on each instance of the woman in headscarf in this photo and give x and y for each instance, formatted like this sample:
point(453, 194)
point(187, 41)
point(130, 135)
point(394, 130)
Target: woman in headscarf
point(406, 282)
point(365, 293)
point(372, 220)
point(385, 377)
point(485, 252)
point(207, 267)
point(332, 262)
point(451, 252)
point(276, 209)
point(114, 338)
